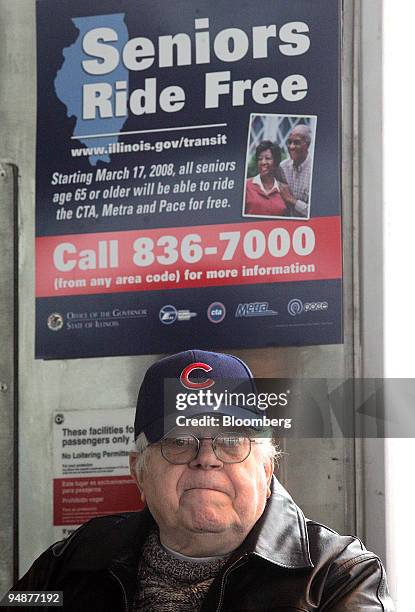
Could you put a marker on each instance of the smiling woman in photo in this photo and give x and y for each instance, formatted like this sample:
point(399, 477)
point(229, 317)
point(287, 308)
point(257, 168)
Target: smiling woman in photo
point(263, 194)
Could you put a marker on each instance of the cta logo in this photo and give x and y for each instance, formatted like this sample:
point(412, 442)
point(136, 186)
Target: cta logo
point(296, 307)
point(192, 384)
point(255, 309)
point(216, 312)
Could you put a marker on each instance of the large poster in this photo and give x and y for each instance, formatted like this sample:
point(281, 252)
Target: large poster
point(188, 175)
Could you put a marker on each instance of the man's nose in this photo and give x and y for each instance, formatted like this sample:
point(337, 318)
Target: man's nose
point(206, 458)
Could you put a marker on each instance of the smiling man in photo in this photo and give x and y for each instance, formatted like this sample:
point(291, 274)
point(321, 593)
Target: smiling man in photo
point(297, 170)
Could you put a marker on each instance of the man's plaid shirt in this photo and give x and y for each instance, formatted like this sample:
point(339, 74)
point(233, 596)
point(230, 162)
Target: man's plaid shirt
point(299, 179)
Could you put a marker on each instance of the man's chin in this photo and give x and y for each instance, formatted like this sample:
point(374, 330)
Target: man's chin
point(205, 513)
point(206, 524)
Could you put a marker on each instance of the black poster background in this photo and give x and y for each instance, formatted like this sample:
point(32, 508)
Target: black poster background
point(129, 322)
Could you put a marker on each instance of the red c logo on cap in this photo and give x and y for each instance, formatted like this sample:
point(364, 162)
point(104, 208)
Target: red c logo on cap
point(184, 376)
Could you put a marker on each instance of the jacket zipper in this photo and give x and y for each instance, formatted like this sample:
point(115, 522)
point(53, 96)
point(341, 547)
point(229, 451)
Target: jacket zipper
point(122, 588)
point(226, 574)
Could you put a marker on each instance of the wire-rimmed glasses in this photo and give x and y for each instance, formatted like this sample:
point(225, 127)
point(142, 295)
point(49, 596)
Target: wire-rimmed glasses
point(228, 447)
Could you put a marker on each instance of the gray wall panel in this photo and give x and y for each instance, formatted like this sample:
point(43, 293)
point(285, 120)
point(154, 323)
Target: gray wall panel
point(7, 372)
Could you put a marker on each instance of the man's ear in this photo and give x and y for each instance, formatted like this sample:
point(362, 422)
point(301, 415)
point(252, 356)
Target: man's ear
point(137, 475)
point(269, 470)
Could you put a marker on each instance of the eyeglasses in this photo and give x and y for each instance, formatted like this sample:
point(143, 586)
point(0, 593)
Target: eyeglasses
point(296, 143)
point(228, 448)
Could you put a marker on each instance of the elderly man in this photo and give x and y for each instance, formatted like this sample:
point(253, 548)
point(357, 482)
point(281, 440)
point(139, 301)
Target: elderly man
point(297, 171)
point(218, 532)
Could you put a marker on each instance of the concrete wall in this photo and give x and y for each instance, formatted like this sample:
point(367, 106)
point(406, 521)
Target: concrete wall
point(8, 367)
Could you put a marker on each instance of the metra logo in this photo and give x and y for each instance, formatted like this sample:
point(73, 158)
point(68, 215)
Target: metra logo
point(254, 309)
point(191, 384)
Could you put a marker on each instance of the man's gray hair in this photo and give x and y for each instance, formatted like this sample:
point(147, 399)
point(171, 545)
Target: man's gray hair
point(268, 447)
point(303, 130)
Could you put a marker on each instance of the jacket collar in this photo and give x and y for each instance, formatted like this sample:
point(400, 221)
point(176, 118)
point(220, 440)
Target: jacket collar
point(280, 537)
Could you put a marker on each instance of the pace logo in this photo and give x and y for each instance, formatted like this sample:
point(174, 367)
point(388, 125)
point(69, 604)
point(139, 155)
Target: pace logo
point(255, 309)
point(216, 312)
point(193, 384)
point(295, 307)
point(316, 306)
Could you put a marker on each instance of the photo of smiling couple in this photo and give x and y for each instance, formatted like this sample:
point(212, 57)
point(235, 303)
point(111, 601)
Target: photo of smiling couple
point(279, 166)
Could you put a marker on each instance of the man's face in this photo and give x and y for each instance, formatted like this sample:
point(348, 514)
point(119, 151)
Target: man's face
point(206, 496)
point(297, 147)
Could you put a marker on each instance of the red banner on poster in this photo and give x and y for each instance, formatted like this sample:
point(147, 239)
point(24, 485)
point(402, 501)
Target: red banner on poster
point(232, 254)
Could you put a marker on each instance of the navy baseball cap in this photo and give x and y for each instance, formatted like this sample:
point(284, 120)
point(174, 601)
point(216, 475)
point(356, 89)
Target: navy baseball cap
point(189, 371)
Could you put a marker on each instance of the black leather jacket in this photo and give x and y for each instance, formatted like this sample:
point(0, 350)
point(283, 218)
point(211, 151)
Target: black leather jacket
point(286, 564)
